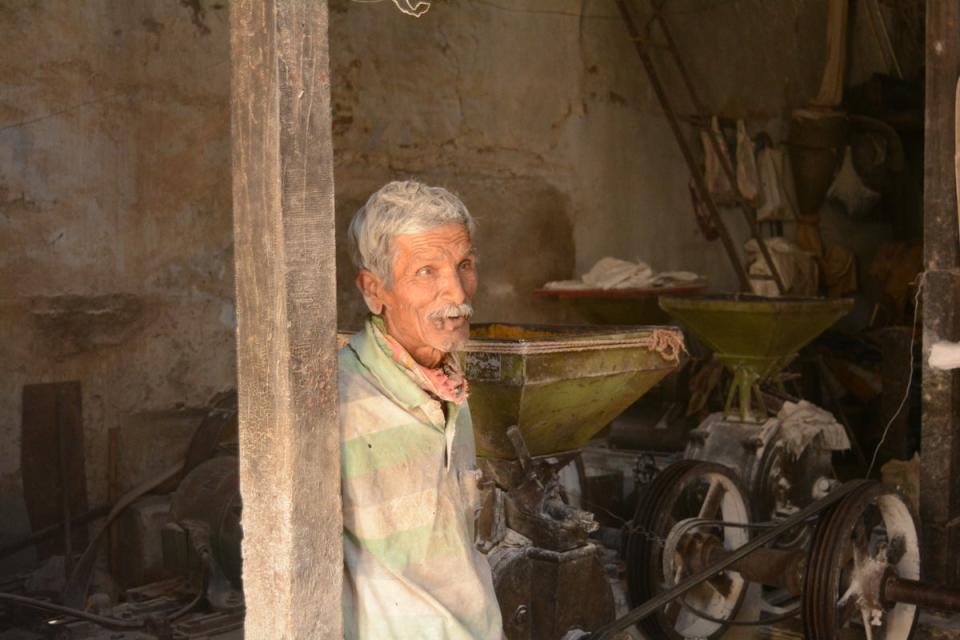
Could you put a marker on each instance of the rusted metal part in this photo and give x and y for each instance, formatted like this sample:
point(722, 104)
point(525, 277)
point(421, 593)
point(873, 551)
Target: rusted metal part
point(657, 550)
point(534, 505)
point(776, 481)
point(209, 498)
point(544, 594)
point(549, 579)
point(770, 567)
point(776, 568)
point(695, 171)
point(762, 540)
point(64, 474)
point(869, 535)
point(113, 493)
point(922, 594)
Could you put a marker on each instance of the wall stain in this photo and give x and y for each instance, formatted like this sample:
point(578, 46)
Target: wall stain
point(199, 15)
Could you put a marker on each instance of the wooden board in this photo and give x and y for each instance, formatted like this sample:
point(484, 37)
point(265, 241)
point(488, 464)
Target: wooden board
point(940, 435)
point(48, 409)
point(286, 319)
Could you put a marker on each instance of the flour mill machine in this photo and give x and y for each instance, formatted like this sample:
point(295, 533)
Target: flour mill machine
point(848, 553)
point(537, 395)
point(783, 460)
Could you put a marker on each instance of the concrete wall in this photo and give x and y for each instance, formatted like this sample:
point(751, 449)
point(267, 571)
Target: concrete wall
point(539, 114)
point(115, 225)
point(115, 221)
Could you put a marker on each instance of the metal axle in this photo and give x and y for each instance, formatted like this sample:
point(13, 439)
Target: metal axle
point(786, 569)
point(923, 594)
point(770, 567)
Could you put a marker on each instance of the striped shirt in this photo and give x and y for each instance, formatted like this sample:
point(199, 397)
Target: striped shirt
point(409, 498)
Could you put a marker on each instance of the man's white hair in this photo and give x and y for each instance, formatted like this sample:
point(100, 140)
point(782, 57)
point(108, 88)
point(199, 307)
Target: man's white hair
point(400, 208)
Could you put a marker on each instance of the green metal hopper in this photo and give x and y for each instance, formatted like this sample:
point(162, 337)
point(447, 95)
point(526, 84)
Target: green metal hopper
point(753, 336)
point(559, 385)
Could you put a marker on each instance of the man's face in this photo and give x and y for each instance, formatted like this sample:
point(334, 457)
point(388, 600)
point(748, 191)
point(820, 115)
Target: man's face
point(433, 272)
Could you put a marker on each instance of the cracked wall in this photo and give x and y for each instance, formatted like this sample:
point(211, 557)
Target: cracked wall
point(115, 223)
point(115, 226)
point(539, 114)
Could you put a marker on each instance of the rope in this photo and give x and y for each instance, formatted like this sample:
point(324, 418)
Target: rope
point(921, 279)
point(668, 343)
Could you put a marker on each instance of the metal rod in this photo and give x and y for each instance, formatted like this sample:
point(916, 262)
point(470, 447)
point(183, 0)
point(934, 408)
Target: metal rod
point(695, 171)
point(606, 632)
point(48, 532)
point(748, 212)
point(64, 495)
point(113, 493)
point(43, 605)
point(922, 594)
point(770, 567)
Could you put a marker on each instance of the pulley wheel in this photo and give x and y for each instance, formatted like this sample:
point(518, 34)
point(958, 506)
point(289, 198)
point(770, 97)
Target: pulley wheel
point(857, 543)
point(684, 490)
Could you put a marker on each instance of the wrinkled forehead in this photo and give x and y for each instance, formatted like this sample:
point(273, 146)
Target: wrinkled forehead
point(446, 242)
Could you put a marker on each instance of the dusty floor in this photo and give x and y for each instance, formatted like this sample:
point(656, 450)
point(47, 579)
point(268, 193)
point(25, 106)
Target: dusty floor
point(930, 626)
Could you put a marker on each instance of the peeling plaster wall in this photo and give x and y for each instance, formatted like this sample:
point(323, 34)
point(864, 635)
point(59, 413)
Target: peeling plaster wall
point(115, 225)
point(539, 114)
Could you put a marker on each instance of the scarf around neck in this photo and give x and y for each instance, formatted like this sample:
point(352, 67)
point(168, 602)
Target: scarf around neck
point(445, 382)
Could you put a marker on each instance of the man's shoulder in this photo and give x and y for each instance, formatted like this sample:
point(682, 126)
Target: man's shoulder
point(351, 372)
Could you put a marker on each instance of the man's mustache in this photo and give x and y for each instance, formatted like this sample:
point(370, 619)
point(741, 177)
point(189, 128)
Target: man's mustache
point(451, 311)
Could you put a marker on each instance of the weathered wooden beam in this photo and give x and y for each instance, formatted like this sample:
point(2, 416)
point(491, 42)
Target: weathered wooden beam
point(286, 318)
point(940, 437)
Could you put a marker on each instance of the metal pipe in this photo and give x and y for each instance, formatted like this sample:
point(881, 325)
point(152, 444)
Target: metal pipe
point(52, 530)
point(80, 614)
point(748, 212)
point(64, 495)
point(635, 615)
point(698, 178)
point(922, 594)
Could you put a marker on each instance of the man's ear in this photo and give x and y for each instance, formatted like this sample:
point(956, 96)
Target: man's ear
point(371, 286)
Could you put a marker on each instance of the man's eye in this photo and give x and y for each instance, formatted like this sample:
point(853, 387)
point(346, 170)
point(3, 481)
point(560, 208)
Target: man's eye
point(424, 271)
point(466, 265)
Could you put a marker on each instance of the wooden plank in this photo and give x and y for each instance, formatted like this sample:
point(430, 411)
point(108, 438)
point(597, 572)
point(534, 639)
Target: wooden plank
point(940, 437)
point(46, 410)
point(286, 313)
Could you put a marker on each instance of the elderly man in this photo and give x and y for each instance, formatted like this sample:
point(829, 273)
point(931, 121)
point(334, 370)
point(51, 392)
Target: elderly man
point(409, 464)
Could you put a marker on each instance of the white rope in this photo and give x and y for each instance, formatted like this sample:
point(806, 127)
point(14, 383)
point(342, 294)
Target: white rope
point(906, 392)
point(415, 9)
point(408, 7)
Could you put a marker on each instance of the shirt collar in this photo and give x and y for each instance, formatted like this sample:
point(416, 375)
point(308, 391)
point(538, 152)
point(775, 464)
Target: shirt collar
point(446, 382)
point(393, 381)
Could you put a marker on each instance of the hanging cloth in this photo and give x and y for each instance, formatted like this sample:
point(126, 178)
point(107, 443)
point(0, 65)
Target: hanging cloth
point(748, 180)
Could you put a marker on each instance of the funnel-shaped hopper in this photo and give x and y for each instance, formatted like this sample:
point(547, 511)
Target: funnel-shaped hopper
point(559, 385)
point(754, 336)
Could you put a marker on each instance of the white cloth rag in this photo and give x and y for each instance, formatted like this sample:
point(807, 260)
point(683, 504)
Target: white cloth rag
point(614, 273)
point(803, 424)
point(945, 355)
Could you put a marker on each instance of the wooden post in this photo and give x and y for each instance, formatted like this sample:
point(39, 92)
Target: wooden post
point(940, 438)
point(286, 319)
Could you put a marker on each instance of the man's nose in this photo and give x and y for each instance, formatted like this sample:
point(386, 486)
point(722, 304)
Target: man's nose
point(454, 289)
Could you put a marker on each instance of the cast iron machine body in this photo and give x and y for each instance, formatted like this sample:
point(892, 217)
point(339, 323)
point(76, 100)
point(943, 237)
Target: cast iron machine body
point(538, 394)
